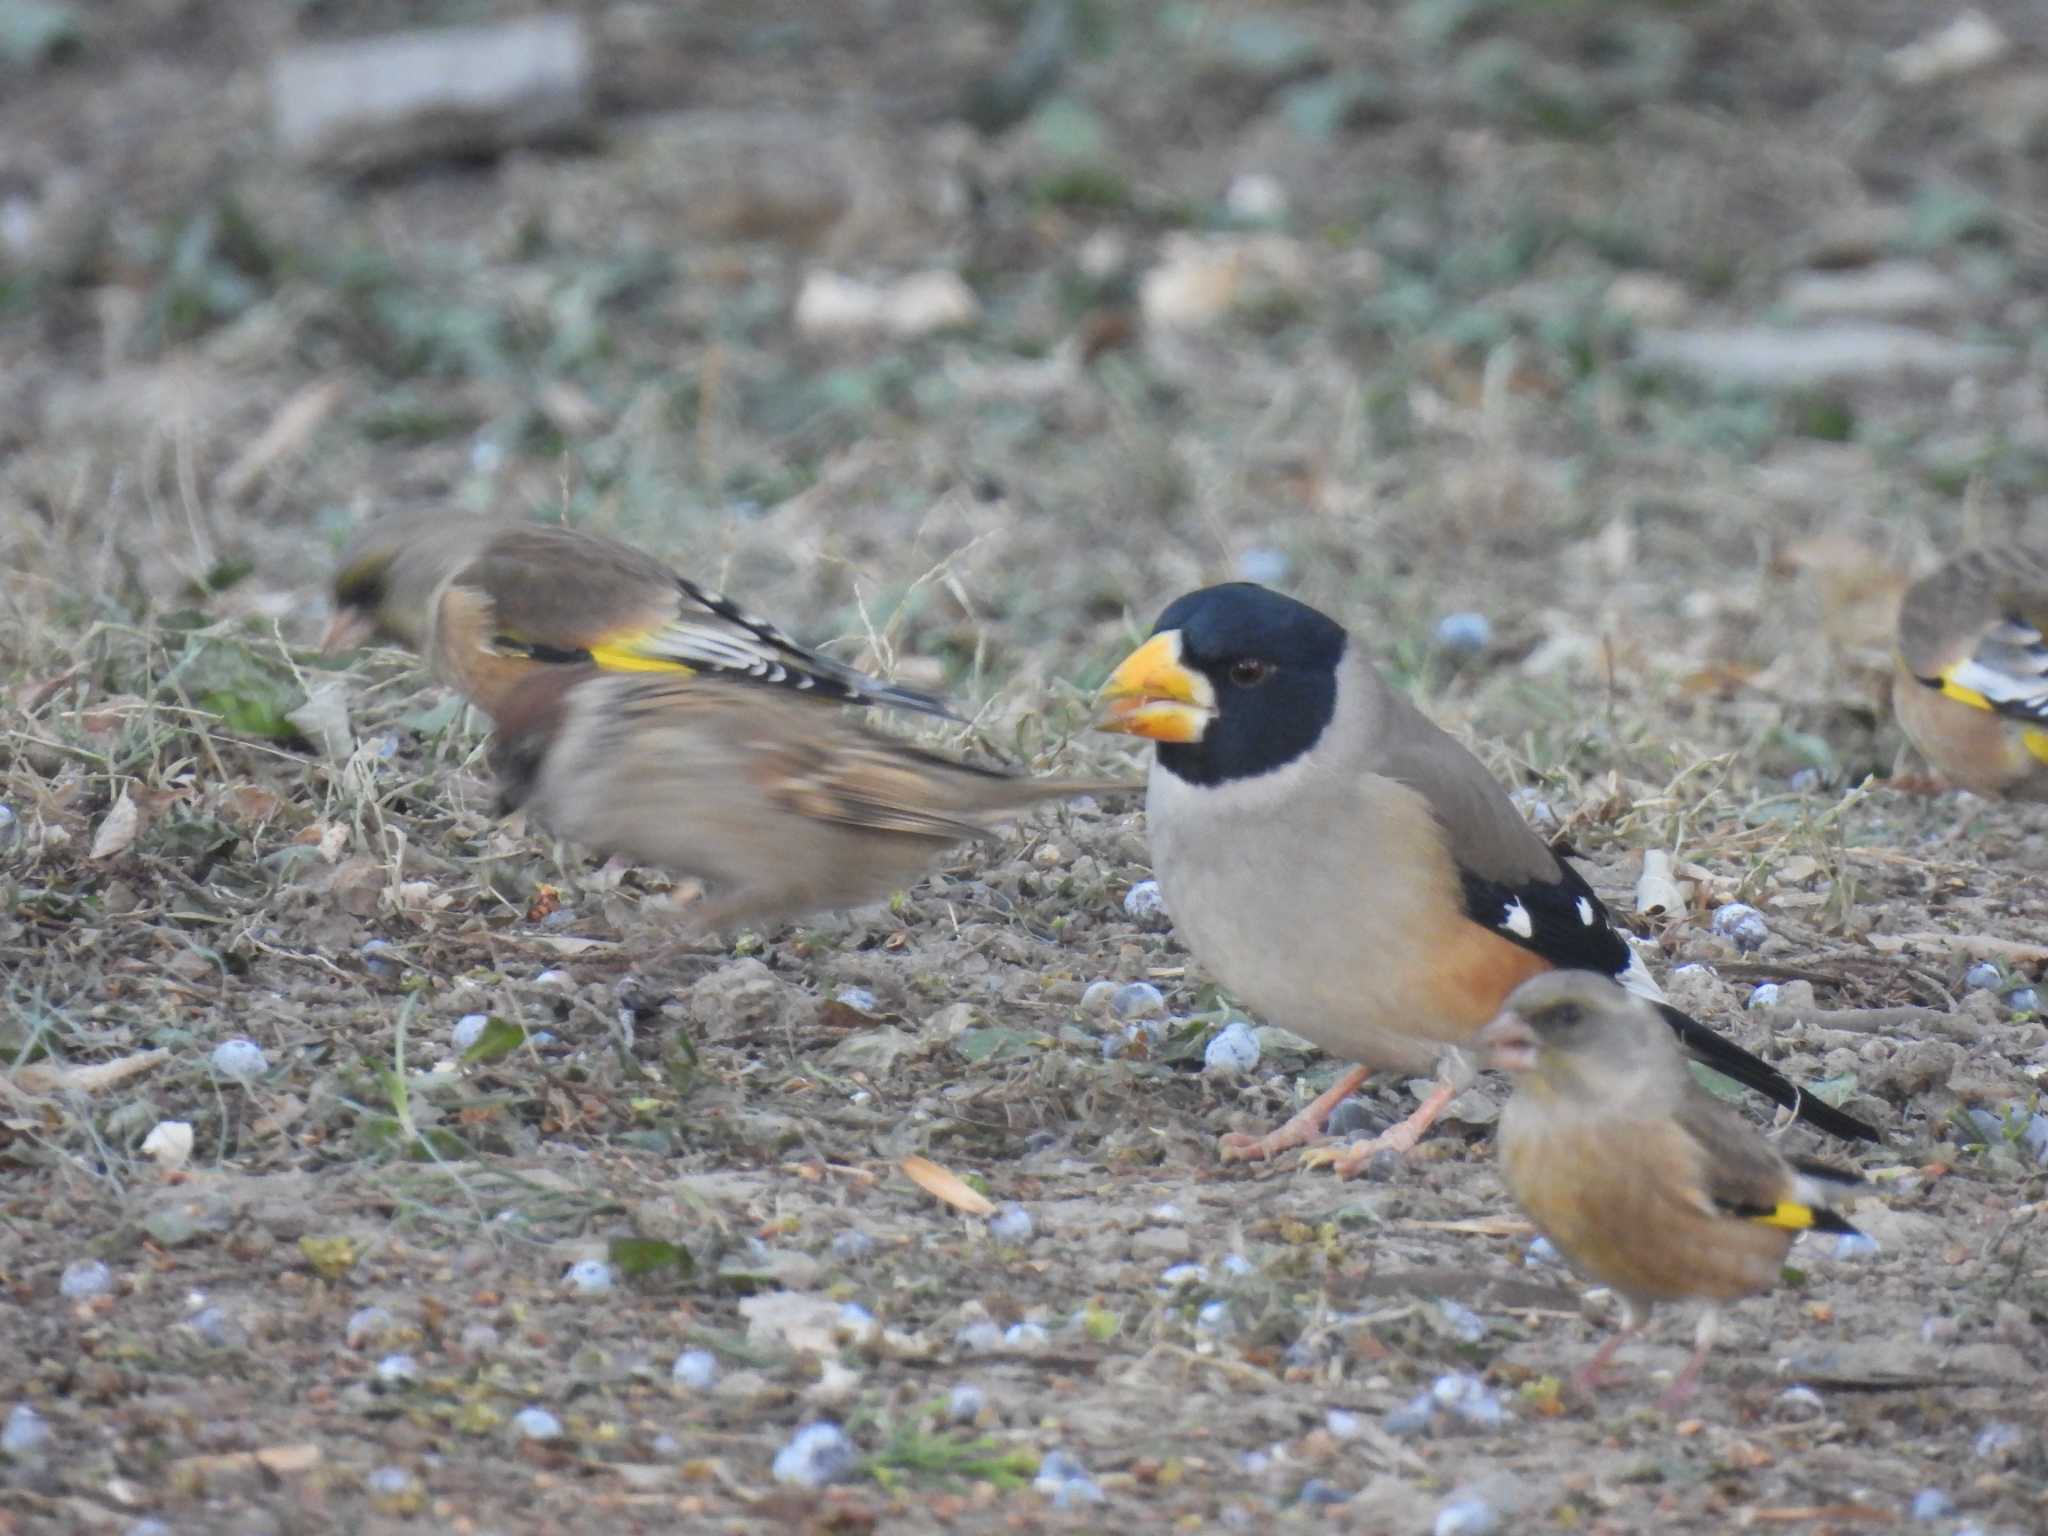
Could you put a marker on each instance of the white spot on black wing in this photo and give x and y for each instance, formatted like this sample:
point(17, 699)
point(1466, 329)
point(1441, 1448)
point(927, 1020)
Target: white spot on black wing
point(1515, 918)
point(1586, 913)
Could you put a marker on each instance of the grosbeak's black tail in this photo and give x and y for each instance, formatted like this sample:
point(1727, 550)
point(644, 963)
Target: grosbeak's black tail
point(1732, 1061)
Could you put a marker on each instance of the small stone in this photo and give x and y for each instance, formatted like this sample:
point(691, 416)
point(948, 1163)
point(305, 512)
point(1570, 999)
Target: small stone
point(1026, 1336)
point(696, 1369)
point(1463, 634)
point(817, 1455)
point(1806, 781)
point(1799, 1403)
point(479, 1339)
point(1343, 1424)
point(1315, 1492)
point(1233, 1048)
point(27, 1433)
point(1096, 999)
point(389, 1482)
point(1468, 1399)
point(367, 1325)
point(1764, 995)
point(1466, 1326)
point(1166, 1211)
point(239, 1060)
point(1138, 1000)
point(215, 1327)
point(1983, 977)
point(1143, 903)
point(381, 958)
point(852, 1246)
point(2035, 1137)
point(1236, 1265)
point(1855, 1246)
point(1174, 1276)
point(1253, 197)
point(1998, 1441)
point(1541, 1251)
point(10, 825)
point(1536, 810)
point(536, 1424)
point(1214, 1317)
point(854, 1317)
point(1467, 1516)
point(398, 1371)
point(1011, 1224)
point(1056, 1469)
point(859, 999)
point(1932, 1504)
point(1741, 924)
point(1076, 1491)
point(1412, 1417)
point(1266, 566)
point(979, 1338)
point(2023, 1000)
point(84, 1279)
point(965, 1404)
point(1352, 1117)
point(468, 1030)
point(589, 1277)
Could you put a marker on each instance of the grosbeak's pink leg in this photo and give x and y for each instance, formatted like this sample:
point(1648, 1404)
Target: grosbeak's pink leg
point(1305, 1127)
point(1687, 1381)
point(1398, 1138)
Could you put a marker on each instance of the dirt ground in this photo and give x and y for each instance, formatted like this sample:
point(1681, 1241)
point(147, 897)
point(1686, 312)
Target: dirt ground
point(1668, 340)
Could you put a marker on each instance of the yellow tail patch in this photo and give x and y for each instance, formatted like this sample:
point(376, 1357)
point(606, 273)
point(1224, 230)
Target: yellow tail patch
point(1951, 689)
point(1790, 1215)
point(2036, 742)
point(623, 658)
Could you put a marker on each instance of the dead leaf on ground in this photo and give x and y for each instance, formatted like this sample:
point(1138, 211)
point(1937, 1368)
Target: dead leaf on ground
point(944, 1184)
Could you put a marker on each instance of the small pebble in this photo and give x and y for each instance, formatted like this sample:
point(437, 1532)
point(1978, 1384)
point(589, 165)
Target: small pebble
point(1536, 810)
point(1412, 1417)
point(859, 999)
point(1252, 1463)
point(1267, 566)
point(1236, 1265)
point(536, 1424)
point(1343, 1424)
point(696, 1369)
point(2023, 1000)
point(852, 1246)
point(1026, 1336)
point(1166, 1211)
point(589, 1277)
point(84, 1279)
point(1316, 1492)
point(979, 1338)
point(1806, 781)
point(1138, 1000)
point(1983, 977)
point(479, 1339)
point(557, 978)
point(1541, 1251)
point(213, 1325)
point(1233, 1048)
point(468, 1030)
point(1352, 1117)
point(1096, 997)
point(854, 1317)
point(1855, 1245)
point(817, 1455)
point(1075, 1491)
point(26, 1433)
point(1466, 1326)
point(666, 1446)
point(1464, 634)
point(1468, 1399)
point(1144, 903)
point(1796, 1403)
point(380, 958)
point(1764, 995)
point(1469, 1516)
point(2035, 1137)
point(1932, 1504)
point(1174, 1276)
point(1996, 1442)
point(389, 1482)
point(241, 1060)
point(10, 825)
point(1742, 924)
point(1011, 1224)
point(398, 1370)
point(1214, 1317)
point(1057, 1469)
point(366, 1325)
point(964, 1404)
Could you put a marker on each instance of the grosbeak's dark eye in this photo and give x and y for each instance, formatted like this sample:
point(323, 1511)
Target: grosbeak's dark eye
point(1564, 1015)
point(1249, 672)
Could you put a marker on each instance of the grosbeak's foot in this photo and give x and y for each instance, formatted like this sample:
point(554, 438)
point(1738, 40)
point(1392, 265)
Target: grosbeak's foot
point(1238, 1146)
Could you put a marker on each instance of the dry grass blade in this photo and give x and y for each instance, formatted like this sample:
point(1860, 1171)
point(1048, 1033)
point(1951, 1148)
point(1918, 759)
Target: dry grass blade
point(94, 1077)
point(944, 1184)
